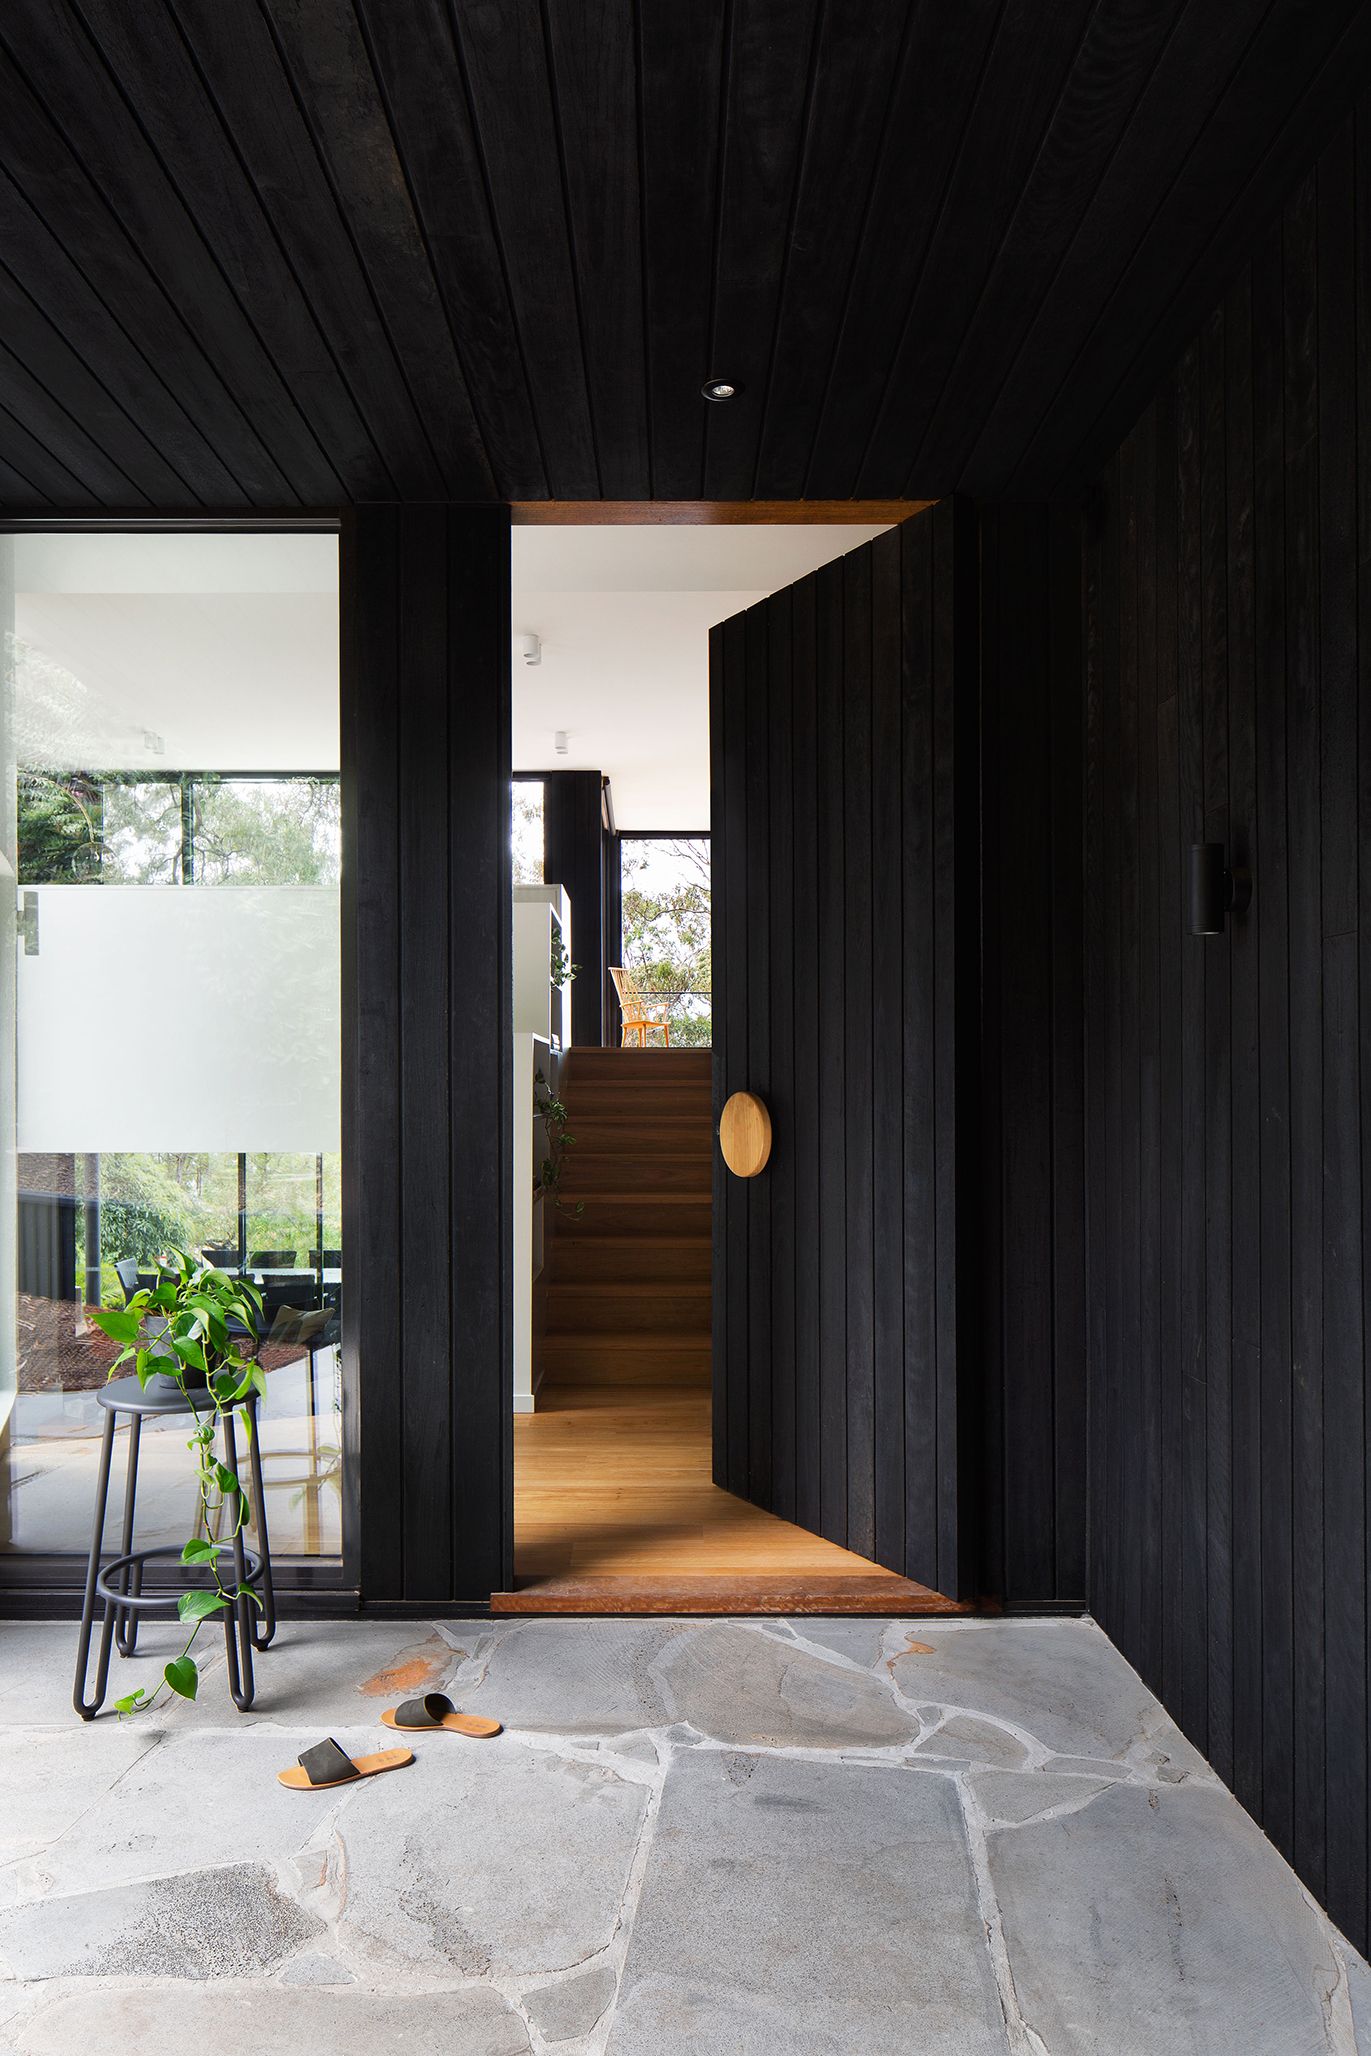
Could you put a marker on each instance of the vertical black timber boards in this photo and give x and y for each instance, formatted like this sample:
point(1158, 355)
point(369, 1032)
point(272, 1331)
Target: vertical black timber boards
point(899, 1305)
point(1344, 1348)
point(919, 1208)
point(573, 857)
point(807, 961)
point(1273, 1047)
point(757, 649)
point(860, 941)
point(369, 654)
point(1031, 1114)
point(729, 833)
point(480, 942)
point(844, 725)
point(781, 1057)
point(1227, 624)
point(1216, 955)
point(426, 768)
point(1246, 1088)
point(829, 1071)
point(1065, 828)
point(887, 1056)
point(721, 1269)
point(956, 860)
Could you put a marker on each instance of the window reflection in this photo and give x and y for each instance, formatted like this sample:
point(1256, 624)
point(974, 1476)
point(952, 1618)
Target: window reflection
point(171, 1057)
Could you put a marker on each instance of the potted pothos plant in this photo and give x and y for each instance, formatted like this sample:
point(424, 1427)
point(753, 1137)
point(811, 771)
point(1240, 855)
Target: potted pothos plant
point(195, 1331)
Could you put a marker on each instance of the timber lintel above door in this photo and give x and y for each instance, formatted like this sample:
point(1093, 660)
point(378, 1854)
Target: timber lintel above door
point(709, 513)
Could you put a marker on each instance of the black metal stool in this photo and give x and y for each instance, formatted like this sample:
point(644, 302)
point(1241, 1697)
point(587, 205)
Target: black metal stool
point(120, 1584)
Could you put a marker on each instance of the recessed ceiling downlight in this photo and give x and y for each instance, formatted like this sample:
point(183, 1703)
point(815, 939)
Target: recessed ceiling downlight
point(718, 389)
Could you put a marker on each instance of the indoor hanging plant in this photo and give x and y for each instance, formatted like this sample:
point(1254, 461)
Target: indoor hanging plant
point(195, 1330)
point(561, 970)
point(550, 1111)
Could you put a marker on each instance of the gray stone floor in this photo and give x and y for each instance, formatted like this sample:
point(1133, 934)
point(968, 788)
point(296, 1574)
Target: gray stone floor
point(760, 1838)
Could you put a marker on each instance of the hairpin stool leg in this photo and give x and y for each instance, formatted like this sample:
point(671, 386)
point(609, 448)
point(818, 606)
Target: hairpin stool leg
point(125, 1619)
point(239, 1657)
point(89, 1708)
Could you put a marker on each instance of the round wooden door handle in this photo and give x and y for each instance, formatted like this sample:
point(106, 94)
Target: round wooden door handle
point(745, 1134)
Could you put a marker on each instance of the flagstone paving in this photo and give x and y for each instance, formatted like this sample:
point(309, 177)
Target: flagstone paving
point(694, 1838)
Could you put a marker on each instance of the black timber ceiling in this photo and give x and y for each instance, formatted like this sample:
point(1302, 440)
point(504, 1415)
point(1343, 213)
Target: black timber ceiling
point(295, 253)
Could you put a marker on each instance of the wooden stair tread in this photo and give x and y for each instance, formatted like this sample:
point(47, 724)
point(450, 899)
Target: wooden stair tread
point(619, 1241)
point(636, 1288)
point(587, 1056)
point(637, 1340)
point(629, 1101)
point(617, 1308)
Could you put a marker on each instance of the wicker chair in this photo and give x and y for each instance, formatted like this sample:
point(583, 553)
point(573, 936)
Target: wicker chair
point(634, 1009)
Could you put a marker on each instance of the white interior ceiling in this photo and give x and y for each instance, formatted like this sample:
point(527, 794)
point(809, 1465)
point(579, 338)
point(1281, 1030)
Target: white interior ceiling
point(624, 615)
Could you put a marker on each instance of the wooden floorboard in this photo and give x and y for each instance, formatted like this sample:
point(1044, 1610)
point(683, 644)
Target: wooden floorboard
point(616, 1512)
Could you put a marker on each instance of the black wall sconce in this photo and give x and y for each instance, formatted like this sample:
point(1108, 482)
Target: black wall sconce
point(1215, 891)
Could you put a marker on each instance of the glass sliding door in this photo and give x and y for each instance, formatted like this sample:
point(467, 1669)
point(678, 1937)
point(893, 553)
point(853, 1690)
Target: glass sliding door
point(170, 1019)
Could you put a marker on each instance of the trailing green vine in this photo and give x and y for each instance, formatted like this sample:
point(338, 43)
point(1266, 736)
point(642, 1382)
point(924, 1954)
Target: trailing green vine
point(198, 1326)
point(554, 1117)
point(561, 970)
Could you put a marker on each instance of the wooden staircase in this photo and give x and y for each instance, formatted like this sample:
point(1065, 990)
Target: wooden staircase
point(628, 1292)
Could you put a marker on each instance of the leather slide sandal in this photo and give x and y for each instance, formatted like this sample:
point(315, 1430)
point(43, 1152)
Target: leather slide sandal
point(326, 1764)
point(436, 1710)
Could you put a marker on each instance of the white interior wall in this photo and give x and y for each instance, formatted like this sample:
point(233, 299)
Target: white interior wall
point(624, 615)
point(183, 652)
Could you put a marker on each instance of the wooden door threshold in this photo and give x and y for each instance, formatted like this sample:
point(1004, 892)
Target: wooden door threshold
point(868, 1593)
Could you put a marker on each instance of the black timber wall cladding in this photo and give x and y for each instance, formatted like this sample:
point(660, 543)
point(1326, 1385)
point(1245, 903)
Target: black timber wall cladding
point(843, 714)
point(1032, 1255)
point(1228, 585)
point(573, 857)
point(427, 1209)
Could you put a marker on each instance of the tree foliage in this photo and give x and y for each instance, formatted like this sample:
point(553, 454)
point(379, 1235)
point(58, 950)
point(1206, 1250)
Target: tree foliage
point(60, 828)
point(666, 930)
point(267, 832)
point(79, 828)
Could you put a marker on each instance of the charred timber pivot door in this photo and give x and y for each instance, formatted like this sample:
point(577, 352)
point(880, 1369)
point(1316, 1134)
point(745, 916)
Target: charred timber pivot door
point(843, 722)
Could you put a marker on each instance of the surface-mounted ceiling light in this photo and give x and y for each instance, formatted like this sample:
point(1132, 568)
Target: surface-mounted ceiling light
point(718, 389)
point(559, 742)
point(530, 648)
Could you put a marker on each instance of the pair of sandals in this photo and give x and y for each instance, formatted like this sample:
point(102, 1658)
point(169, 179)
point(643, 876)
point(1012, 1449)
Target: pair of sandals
point(326, 1764)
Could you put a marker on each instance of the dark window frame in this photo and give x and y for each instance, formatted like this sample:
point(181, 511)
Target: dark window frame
point(619, 836)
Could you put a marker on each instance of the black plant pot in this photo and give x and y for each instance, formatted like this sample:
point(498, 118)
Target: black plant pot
point(162, 1385)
